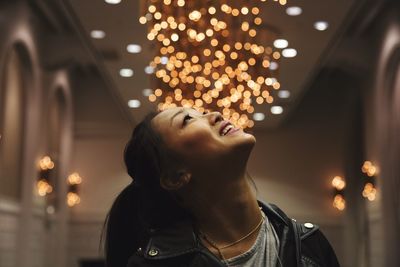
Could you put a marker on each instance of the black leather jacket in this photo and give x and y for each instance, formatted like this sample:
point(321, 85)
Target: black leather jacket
point(300, 245)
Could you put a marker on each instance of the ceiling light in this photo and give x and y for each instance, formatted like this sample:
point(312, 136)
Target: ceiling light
point(149, 70)
point(147, 92)
point(195, 66)
point(258, 116)
point(113, 2)
point(294, 11)
point(289, 52)
point(126, 72)
point(134, 48)
point(321, 25)
point(97, 34)
point(283, 94)
point(276, 110)
point(134, 103)
point(281, 43)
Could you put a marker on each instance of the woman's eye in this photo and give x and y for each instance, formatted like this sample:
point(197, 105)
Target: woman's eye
point(186, 118)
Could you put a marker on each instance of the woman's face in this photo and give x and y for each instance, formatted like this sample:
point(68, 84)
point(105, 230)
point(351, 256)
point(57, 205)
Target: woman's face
point(198, 139)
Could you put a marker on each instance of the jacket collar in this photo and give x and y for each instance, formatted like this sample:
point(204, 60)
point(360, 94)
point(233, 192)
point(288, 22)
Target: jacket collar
point(181, 239)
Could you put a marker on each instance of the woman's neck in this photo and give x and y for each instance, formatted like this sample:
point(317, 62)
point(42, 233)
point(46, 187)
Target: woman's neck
point(226, 213)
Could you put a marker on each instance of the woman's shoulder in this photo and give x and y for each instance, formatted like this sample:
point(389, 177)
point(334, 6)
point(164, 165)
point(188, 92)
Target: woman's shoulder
point(314, 247)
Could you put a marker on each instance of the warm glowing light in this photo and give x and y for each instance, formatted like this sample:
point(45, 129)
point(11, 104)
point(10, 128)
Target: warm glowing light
point(369, 192)
point(142, 20)
point(46, 163)
point(338, 183)
point(212, 10)
point(74, 179)
point(339, 202)
point(195, 15)
point(214, 65)
point(43, 187)
point(73, 199)
point(369, 169)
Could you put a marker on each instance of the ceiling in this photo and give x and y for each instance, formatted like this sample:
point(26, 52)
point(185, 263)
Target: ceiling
point(120, 22)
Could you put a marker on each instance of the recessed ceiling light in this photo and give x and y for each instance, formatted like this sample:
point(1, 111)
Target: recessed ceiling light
point(258, 116)
point(134, 48)
point(97, 34)
point(321, 25)
point(294, 10)
point(147, 92)
point(134, 103)
point(149, 70)
point(283, 94)
point(276, 110)
point(289, 52)
point(273, 65)
point(126, 72)
point(113, 2)
point(281, 43)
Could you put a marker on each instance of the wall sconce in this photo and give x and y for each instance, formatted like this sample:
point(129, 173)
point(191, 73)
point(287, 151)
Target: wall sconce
point(43, 184)
point(74, 180)
point(369, 170)
point(338, 184)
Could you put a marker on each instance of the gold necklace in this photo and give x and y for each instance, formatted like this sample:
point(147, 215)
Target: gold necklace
point(214, 245)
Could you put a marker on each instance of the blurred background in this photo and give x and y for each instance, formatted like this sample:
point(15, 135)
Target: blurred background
point(76, 76)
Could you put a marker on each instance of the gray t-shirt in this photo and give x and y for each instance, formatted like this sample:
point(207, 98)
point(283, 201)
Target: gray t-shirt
point(263, 253)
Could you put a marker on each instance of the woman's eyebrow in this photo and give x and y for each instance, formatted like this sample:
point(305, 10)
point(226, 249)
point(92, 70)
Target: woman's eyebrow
point(176, 114)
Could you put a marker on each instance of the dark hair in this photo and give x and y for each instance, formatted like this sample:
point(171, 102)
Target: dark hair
point(143, 204)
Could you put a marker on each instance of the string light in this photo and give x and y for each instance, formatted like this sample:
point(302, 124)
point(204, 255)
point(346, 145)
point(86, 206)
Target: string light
point(200, 52)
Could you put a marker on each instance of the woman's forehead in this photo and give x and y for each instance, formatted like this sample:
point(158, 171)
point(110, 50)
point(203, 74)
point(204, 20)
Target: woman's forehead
point(170, 112)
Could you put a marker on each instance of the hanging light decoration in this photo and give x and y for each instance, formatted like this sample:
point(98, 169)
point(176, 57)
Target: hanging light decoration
point(212, 55)
point(43, 183)
point(338, 184)
point(74, 180)
point(369, 170)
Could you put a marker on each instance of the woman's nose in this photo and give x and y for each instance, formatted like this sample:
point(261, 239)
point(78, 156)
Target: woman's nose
point(214, 117)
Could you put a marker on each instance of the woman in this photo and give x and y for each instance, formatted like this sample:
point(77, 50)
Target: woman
point(190, 203)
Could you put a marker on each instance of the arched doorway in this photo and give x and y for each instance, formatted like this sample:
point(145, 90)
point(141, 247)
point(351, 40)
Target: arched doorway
point(15, 77)
point(12, 116)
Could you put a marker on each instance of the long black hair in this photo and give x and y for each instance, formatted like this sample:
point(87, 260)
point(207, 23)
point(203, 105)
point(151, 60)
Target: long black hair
point(143, 204)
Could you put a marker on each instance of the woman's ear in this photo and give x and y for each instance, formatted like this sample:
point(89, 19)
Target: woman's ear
point(176, 181)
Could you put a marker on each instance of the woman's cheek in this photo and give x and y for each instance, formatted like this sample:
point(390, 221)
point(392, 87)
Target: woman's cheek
point(200, 143)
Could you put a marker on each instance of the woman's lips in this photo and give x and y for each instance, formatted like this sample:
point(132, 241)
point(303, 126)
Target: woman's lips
point(232, 131)
point(223, 125)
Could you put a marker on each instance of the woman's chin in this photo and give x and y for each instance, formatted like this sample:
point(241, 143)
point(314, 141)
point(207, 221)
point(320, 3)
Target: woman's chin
point(244, 137)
